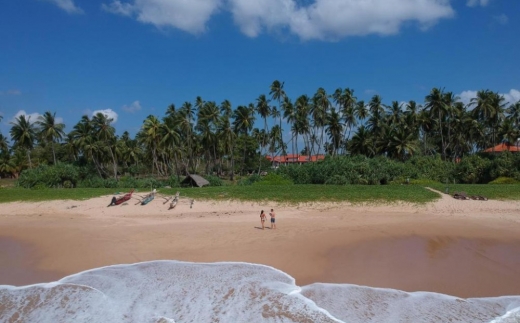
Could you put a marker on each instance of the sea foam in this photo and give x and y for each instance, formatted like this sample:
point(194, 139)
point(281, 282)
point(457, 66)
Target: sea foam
point(172, 291)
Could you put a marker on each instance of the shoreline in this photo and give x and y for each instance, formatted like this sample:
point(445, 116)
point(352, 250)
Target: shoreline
point(322, 242)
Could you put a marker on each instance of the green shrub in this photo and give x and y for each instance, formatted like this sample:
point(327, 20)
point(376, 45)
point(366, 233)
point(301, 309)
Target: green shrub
point(249, 180)
point(423, 182)
point(504, 180)
point(49, 176)
point(214, 180)
point(337, 180)
point(274, 179)
point(68, 184)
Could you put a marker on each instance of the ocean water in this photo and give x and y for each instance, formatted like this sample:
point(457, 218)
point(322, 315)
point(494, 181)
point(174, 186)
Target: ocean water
point(172, 291)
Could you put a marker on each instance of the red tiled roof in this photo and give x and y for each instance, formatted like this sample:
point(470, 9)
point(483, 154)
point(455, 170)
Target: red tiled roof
point(293, 158)
point(503, 147)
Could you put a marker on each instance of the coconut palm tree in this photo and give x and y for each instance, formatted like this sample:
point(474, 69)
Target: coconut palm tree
point(361, 142)
point(23, 134)
point(243, 122)
point(334, 129)
point(436, 107)
point(104, 132)
point(278, 94)
point(50, 130)
point(4, 147)
point(264, 110)
point(150, 137)
point(226, 134)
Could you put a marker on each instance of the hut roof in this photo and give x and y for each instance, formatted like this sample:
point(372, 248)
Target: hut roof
point(503, 147)
point(195, 180)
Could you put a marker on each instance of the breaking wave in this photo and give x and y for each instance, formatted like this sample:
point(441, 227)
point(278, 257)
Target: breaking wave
point(172, 291)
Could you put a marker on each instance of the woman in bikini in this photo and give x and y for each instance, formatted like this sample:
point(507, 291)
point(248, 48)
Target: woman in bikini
point(262, 218)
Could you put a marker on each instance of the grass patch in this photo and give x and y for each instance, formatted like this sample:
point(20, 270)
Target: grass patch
point(494, 192)
point(277, 193)
point(313, 193)
point(27, 195)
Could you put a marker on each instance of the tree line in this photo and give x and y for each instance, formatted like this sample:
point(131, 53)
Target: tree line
point(207, 137)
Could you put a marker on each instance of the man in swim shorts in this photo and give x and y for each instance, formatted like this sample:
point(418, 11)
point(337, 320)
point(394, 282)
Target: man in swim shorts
point(273, 218)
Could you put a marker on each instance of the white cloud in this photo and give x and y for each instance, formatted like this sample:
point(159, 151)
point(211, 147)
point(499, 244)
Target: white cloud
point(334, 19)
point(511, 97)
point(109, 113)
point(501, 19)
point(474, 3)
point(190, 16)
point(11, 92)
point(466, 96)
point(134, 107)
point(313, 19)
point(67, 5)
point(32, 117)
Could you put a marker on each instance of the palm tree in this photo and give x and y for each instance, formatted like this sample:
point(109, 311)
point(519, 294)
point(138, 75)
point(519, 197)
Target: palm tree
point(436, 107)
point(277, 93)
point(226, 134)
point(23, 134)
point(243, 122)
point(289, 113)
point(49, 130)
point(361, 143)
point(105, 133)
point(375, 121)
point(334, 129)
point(514, 113)
point(318, 112)
point(4, 147)
point(150, 137)
point(264, 110)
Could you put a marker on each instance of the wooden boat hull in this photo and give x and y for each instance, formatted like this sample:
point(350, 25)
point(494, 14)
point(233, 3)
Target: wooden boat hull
point(124, 198)
point(147, 200)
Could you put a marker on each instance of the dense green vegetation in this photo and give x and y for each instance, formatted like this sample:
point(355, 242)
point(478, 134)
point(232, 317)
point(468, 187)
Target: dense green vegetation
point(365, 142)
point(277, 193)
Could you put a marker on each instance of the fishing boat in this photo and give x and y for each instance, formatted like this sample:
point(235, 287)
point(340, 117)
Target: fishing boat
point(124, 198)
point(148, 199)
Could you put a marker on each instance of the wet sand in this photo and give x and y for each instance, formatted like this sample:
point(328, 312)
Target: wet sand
point(466, 250)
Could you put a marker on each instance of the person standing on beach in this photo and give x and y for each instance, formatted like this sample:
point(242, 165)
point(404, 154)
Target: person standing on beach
point(262, 218)
point(273, 218)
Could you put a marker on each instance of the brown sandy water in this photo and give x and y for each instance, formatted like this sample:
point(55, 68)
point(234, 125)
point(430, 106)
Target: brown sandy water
point(18, 265)
point(459, 266)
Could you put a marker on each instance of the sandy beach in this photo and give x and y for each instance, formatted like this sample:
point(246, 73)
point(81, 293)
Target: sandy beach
point(461, 248)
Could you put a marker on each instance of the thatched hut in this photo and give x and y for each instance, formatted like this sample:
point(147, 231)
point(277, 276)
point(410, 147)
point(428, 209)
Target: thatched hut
point(194, 181)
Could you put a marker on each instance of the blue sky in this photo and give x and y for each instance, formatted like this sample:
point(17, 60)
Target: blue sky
point(133, 58)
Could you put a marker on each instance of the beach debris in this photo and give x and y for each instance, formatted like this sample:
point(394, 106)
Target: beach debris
point(460, 196)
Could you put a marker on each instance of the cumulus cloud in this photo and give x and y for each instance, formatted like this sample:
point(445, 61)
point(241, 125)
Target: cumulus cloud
point(132, 108)
point(501, 19)
point(32, 117)
point(66, 5)
point(334, 19)
point(511, 97)
point(109, 113)
point(312, 19)
point(190, 16)
point(474, 3)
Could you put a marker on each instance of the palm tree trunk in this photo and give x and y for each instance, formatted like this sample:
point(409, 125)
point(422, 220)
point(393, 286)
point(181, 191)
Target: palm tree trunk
point(53, 153)
point(29, 157)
